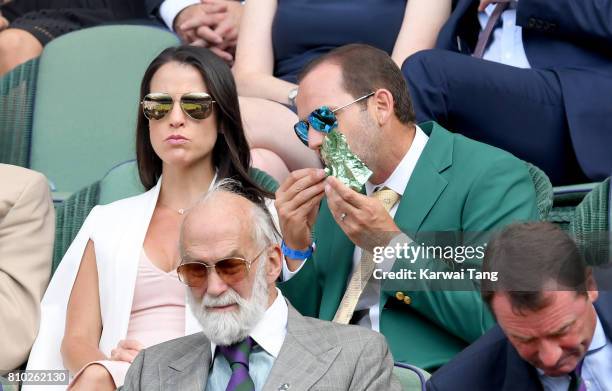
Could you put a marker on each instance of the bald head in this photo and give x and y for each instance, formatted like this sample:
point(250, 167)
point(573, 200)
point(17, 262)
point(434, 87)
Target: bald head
point(224, 224)
point(220, 217)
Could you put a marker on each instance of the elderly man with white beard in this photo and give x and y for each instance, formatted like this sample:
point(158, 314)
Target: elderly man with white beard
point(252, 338)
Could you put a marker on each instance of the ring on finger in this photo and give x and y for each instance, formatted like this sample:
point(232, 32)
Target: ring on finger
point(342, 216)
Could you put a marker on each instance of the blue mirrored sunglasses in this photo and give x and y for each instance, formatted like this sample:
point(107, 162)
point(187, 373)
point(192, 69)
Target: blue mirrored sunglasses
point(322, 119)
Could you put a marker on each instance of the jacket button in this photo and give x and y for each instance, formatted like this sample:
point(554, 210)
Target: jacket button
point(399, 296)
point(531, 23)
point(407, 300)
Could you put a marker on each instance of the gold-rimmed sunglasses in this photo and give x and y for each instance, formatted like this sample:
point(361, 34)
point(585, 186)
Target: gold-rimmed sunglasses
point(231, 270)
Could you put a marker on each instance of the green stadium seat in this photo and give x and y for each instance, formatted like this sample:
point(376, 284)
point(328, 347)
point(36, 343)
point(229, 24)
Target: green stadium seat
point(17, 89)
point(86, 102)
point(565, 201)
point(544, 190)
point(120, 182)
point(591, 226)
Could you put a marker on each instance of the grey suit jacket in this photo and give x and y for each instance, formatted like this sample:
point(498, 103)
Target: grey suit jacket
point(316, 355)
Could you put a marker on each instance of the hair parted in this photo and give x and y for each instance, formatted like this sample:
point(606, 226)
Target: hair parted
point(366, 69)
point(531, 258)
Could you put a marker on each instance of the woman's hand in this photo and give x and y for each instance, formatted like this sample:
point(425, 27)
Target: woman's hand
point(126, 350)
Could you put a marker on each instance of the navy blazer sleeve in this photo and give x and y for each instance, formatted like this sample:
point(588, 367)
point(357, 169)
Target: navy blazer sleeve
point(587, 19)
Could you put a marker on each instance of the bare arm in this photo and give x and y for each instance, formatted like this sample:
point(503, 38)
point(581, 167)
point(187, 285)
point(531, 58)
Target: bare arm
point(423, 20)
point(83, 319)
point(254, 65)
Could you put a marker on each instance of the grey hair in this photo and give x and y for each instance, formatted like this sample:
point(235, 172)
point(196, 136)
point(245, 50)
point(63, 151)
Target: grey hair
point(263, 229)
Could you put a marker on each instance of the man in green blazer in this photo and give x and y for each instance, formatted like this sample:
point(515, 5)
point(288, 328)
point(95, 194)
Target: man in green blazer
point(445, 183)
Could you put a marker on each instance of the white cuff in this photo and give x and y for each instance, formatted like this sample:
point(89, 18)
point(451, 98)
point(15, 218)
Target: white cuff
point(287, 274)
point(169, 9)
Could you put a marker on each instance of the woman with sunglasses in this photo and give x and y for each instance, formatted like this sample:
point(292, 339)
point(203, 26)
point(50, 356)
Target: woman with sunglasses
point(117, 287)
point(278, 38)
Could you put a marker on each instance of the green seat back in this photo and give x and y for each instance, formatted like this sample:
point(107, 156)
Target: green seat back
point(591, 224)
point(565, 201)
point(121, 181)
point(17, 90)
point(86, 101)
point(544, 190)
point(410, 377)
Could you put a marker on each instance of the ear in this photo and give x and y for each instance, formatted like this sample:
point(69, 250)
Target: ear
point(383, 104)
point(591, 285)
point(274, 264)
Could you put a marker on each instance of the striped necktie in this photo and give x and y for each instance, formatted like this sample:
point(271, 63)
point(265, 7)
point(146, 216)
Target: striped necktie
point(237, 355)
point(485, 34)
point(364, 270)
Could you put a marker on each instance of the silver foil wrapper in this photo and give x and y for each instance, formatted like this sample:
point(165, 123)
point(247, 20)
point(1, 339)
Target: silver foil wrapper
point(342, 163)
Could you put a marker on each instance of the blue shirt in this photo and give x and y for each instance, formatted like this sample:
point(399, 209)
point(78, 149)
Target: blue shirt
point(506, 42)
point(596, 370)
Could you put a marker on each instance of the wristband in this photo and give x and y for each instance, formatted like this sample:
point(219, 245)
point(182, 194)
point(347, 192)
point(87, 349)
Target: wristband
point(296, 254)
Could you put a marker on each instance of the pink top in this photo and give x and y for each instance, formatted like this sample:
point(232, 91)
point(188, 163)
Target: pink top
point(158, 313)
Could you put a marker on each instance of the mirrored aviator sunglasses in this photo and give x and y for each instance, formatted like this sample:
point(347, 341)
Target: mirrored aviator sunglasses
point(197, 105)
point(322, 119)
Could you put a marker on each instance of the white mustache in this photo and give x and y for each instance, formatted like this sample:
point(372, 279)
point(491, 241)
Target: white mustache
point(228, 298)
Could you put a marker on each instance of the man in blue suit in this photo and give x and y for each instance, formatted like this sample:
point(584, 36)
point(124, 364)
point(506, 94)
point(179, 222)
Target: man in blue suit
point(546, 92)
point(555, 328)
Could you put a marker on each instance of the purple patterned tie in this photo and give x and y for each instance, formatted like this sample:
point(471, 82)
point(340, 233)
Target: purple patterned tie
point(576, 382)
point(238, 357)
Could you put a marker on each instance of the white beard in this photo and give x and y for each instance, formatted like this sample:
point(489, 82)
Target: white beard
point(227, 328)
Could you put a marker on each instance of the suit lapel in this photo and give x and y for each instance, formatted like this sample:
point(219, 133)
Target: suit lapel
point(304, 357)
point(426, 184)
point(519, 375)
point(190, 372)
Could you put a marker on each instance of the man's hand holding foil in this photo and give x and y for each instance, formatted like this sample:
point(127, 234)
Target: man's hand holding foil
point(297, 202)
point(363, 219)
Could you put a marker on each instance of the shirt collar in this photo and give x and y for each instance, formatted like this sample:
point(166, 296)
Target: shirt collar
point(270, 331)
point(491, 7)
point(398, 180)
point(599, 337)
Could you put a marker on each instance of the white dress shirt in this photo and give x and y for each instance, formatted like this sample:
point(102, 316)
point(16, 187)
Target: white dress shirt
point(506, 42)
point(596, 370)
point(269, 333)
point(397, 181)
point(169, 9)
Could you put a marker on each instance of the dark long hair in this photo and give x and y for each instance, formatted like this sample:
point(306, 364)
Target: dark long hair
point(231, 154)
